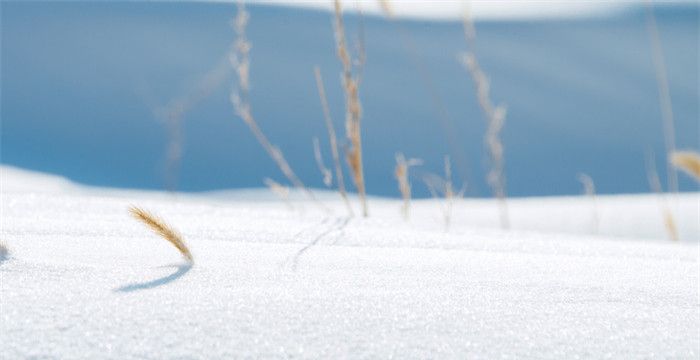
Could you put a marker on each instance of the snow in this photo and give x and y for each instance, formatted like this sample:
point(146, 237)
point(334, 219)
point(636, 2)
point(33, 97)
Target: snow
point(491, 10)
point(84, 280)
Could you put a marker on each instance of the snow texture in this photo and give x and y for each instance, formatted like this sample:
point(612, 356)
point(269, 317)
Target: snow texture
point(84, 280)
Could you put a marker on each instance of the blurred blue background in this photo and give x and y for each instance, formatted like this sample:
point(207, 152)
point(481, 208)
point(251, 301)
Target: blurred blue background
point(84, 86)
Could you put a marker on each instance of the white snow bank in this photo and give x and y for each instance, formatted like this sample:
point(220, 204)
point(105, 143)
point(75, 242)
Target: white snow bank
point(626, 216)
point(84, 280)
point(480, 10)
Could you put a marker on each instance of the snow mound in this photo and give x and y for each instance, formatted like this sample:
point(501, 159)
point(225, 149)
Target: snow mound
point(84, 280)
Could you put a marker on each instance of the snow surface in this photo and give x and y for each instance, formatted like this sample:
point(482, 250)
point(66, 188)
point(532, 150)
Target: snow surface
point(84, 280)
point(483, 9)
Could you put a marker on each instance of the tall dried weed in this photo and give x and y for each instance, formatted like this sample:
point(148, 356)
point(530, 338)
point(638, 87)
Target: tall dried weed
point(332, 139)
point(353, 108)
point(495, 119)
point(240, 60)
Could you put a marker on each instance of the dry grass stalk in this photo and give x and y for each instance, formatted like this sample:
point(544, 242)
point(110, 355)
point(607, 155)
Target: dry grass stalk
point(688, 161)
point(450, 195)
point(240, 61)
point(280, 190)
point(327, 174)
point(468, 24)
point(173, 115)
point(495, 118)
point(666, 214)
point(353, 113)
point(162, 229)
point(437, 185)
point(332, 139)
point(664, 95)
point(589, 190)
point(401, 174)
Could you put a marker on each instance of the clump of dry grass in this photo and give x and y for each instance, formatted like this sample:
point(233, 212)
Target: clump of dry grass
point(401, 174)
point(666, 214)
point(589, 190)
point(162, 229)
point(439, 186)
point(332, 139)
point(353, 113)
point(688, 161)
point(495, 118)
point(240, 60)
